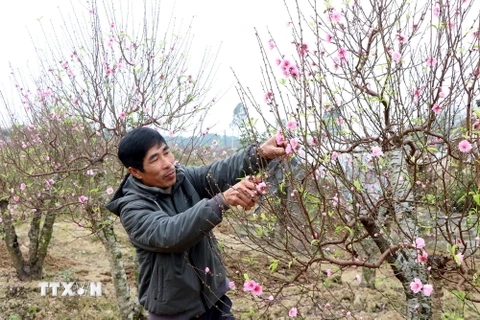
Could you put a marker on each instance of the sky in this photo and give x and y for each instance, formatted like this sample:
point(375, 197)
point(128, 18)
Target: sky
point(228, 25)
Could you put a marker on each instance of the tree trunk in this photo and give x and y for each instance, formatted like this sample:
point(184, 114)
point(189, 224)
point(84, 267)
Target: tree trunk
point(128, 309)
point(39, 240)
point(367, 250)
point(406, 231)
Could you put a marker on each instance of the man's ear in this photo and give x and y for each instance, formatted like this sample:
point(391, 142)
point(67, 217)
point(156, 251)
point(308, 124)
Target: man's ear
point(135, 172)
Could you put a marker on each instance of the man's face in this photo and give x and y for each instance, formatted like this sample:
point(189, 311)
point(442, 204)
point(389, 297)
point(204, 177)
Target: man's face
point(158, 168)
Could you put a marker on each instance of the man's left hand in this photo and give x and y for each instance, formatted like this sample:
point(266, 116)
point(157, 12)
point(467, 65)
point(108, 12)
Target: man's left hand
point(270, 150)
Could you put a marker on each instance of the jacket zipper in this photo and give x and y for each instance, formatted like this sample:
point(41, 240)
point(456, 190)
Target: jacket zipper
point(192, 262)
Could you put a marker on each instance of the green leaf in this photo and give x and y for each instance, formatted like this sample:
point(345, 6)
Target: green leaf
point(273, 266)
point(357, 185)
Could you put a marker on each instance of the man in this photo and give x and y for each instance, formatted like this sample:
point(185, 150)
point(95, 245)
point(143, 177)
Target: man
point(169, 211)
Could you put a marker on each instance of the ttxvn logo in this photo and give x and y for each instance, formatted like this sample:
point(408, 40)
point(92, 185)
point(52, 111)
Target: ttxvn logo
point(71, 288)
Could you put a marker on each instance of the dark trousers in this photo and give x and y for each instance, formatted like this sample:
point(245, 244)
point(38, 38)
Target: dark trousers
point(219, 311)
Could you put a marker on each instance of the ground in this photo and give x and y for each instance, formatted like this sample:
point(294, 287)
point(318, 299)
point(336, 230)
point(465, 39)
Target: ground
point(74, 255)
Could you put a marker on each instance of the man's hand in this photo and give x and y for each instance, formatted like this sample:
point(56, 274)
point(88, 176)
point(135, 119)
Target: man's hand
point(270, 150)
point(242, 194)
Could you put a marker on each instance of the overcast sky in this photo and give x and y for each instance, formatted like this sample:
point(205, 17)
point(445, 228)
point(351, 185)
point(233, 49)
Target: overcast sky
point(229, 24)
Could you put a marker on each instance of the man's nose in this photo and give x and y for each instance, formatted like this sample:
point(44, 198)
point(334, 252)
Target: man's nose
point(167, 163)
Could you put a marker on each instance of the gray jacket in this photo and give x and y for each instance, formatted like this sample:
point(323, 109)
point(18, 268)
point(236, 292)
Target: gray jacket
point(172, 234)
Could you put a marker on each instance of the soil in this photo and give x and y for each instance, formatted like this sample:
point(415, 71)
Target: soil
point(77, 256)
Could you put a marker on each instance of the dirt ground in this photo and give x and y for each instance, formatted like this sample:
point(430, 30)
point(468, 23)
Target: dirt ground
point(74, 255)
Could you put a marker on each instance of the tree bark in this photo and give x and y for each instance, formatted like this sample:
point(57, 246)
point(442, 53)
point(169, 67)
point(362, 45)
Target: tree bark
point(128, 309)
point(406, 231)
point(39, 240)
point(367, 250)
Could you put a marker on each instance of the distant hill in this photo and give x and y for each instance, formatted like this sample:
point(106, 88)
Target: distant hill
point(222, 140)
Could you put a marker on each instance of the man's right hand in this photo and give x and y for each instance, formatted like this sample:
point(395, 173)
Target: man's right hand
point(242, 194)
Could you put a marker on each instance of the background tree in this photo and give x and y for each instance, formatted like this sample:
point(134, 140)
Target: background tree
point(100, 74)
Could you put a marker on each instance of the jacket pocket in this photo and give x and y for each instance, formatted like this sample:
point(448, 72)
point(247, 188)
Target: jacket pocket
point(161, 285)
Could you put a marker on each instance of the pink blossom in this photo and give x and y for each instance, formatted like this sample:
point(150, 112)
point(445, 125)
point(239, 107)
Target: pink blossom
point(302, 48)
point(427, 289)
point(464, 146)
point(231, 285)
point(90, 172)
point(279, 137)
point(261, 188)
point(16, 198)
point(289, 69)
point(431, 61)
point(401, 38)
point(358, 278)
point(416, 285)
point(335, 16)
point(257, 289)
point(268, 96)
point(419, 243)
point(269, 298)
point(436, 11)
point(294, 143)
point(207, 269)
point(271, 44)
point(249, 285)
point(376, 152)
point(123, 115)
point(334, 155)
point(340, 121)
point(396, 56)
point(342, 53)
point(293, 312)
point(82, 199)
point(422, 257)
point(459, 258)
point(436, 109)
point(417, 93)
point(329, 272)
point(328, 305)
point(294, 72)
point(23, 186)
point(292, 124)
point(109, 191)
point(51, 181)
point(288, 149)
point(328, 38)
